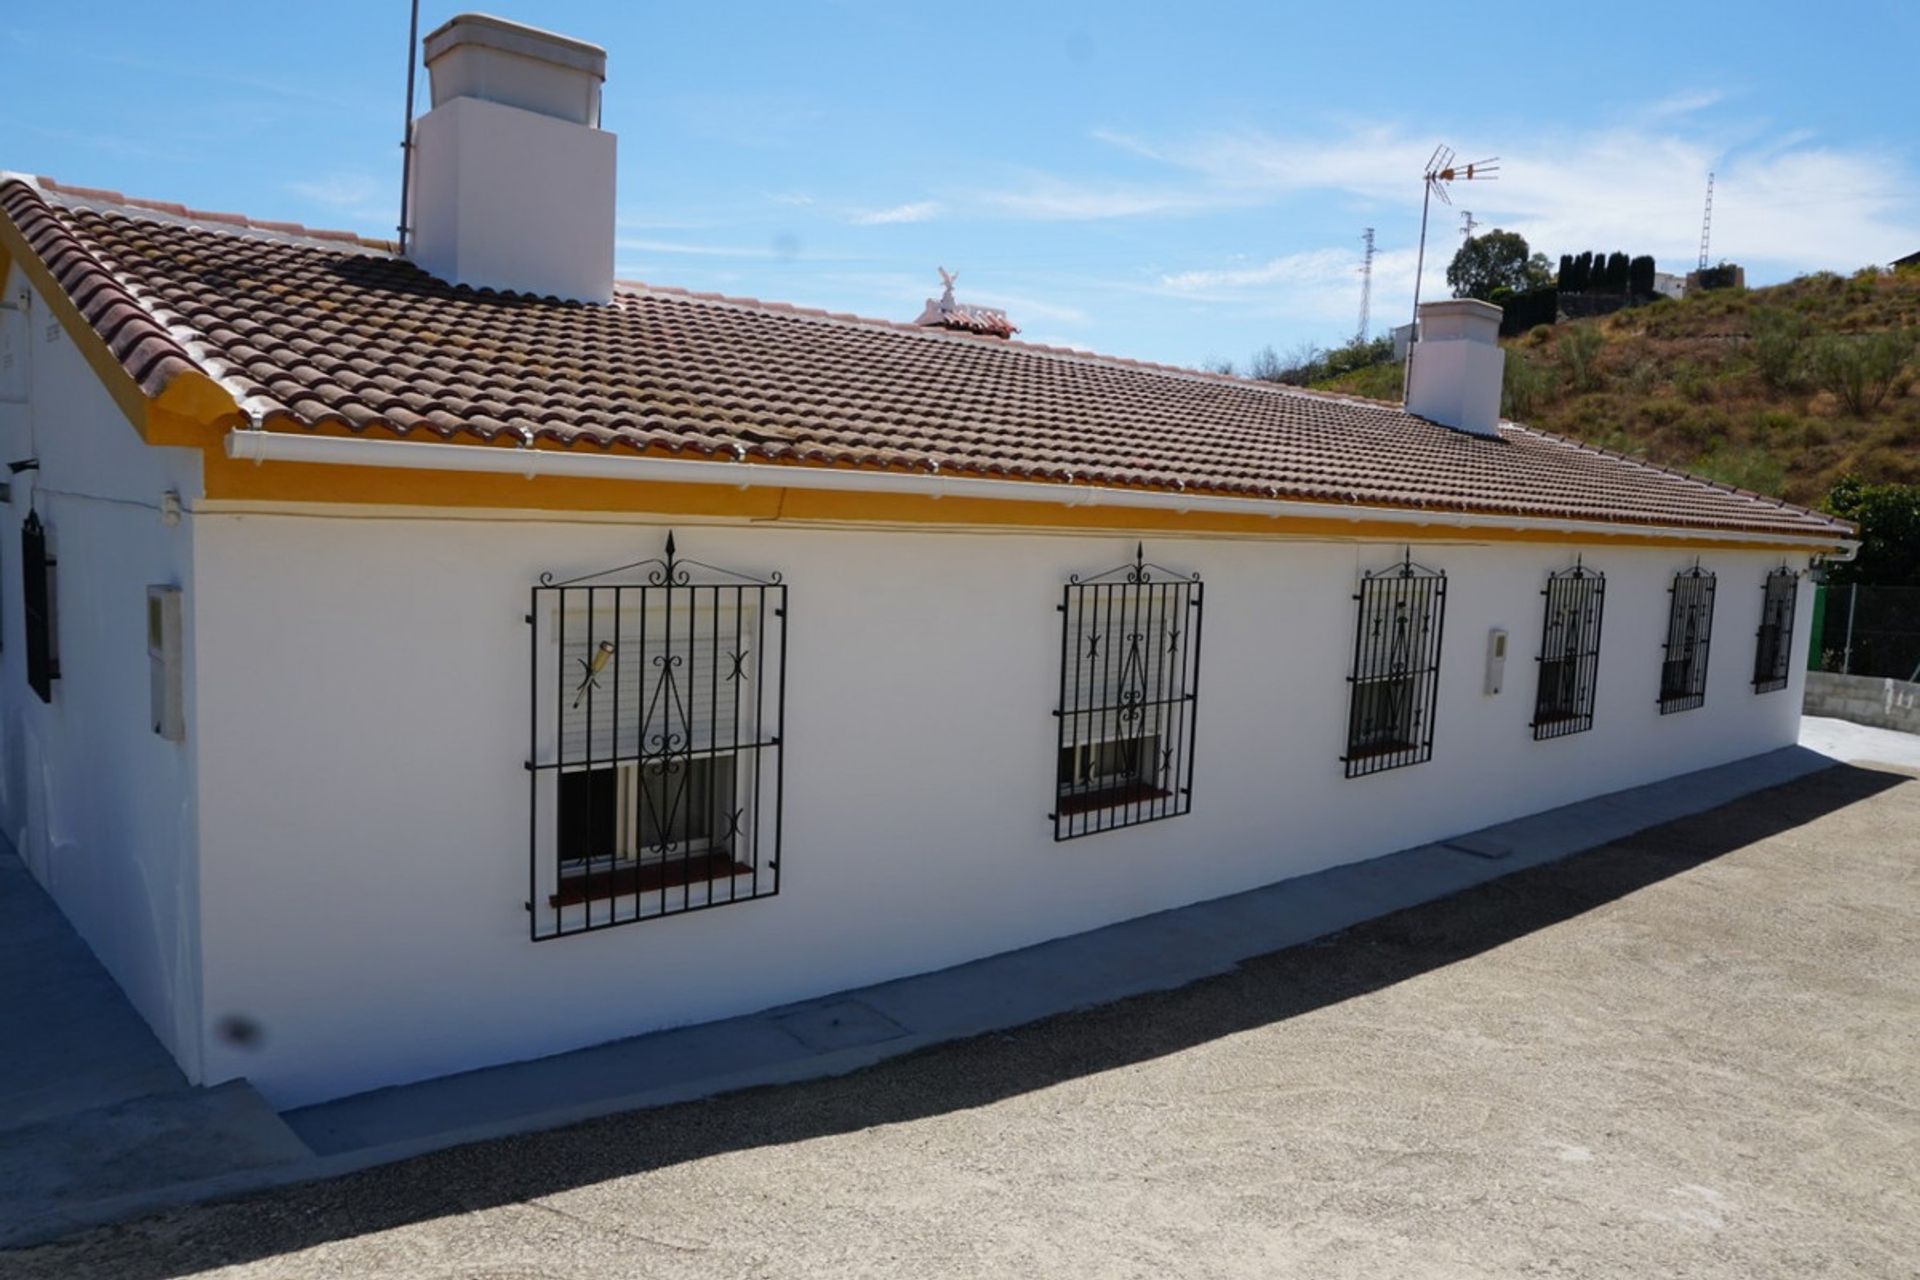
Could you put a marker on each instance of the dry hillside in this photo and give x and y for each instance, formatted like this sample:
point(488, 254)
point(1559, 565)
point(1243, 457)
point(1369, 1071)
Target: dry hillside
point(1747, 386)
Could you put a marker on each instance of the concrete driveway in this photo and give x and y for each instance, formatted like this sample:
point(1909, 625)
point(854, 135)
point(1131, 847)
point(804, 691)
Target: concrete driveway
point(1694, 1052)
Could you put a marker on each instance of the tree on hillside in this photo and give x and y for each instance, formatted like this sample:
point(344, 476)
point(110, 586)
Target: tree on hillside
point(1640, 273)
point(1889, 520)
point(1617, 272)
point(1496, 260)
point(1860, 369)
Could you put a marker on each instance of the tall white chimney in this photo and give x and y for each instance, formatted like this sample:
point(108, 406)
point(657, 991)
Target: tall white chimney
point(1453, 376)
point(512, 184)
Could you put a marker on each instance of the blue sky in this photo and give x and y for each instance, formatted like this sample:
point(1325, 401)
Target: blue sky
point(1166, 181)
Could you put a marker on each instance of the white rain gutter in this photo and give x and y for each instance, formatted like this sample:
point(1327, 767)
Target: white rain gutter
point(255, 445)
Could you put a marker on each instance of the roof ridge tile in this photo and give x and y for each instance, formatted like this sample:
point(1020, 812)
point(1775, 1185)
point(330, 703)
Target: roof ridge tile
point(103, 195)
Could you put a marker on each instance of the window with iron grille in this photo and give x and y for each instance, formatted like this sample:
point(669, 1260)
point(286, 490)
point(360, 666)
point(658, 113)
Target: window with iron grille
point(36, 579)
point(1569, 653)
point(1396, 668)
point(1683, 671)
point(1772, 654)
point(1129, 690)
point(658, 704)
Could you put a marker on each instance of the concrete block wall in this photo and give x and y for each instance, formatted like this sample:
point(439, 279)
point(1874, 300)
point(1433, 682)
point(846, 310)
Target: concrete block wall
point(1880, 701)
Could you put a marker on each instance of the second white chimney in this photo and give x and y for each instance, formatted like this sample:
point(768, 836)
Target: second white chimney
point(513, 178)
point(1453, 375)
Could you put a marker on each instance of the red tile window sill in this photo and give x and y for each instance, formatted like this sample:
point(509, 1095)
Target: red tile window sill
point(1132, 793)
point(647, 876)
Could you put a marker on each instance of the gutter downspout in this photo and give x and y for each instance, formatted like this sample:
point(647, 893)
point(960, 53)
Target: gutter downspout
point(256, 445)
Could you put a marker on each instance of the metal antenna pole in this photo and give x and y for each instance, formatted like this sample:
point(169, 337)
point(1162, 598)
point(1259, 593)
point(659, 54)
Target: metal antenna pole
point(1440, 171)
point(1366, 288)
point(1420, 262)
point(406, 131)
point(1706, 223)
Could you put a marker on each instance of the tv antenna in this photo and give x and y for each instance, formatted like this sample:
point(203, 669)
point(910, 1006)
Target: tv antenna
point(1706, 223)
point(1366, 287)
point(406, 128)
point(1467, 223)
point(1441, 170)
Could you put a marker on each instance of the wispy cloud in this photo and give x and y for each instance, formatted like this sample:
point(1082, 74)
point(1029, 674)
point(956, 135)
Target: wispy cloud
point(782, 248)
point(1309, 267)
point(1025, 307)
point(919, 211)
point(114, 144)
point(1318, 288)
point(347, 191)
point(691, 249)
point(1051, 199)
point(1683, 103)
point(1781, 198)
point(348, 196)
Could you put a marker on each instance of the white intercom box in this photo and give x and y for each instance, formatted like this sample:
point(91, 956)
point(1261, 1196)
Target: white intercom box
point(1496, 659)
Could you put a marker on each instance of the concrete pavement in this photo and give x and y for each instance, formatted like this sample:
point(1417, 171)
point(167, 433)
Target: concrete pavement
point(837, 1034)
point(93, 1112)
point(1687, 1053)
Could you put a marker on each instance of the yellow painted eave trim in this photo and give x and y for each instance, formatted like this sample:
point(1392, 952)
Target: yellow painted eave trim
point(191, 410)
point(302, 484)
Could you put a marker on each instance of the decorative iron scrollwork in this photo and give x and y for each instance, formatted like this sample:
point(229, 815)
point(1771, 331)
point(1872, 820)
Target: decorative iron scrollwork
point(1569, 657)
point(656, 759)
point(1683, 669)
point(1396, 667)
point(1129, 689)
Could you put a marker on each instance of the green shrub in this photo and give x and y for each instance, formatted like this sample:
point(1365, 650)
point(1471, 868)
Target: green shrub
point(1379, 381)
point(1691, 381)
point(1778, 346)
point(1663, 413)
point(1703, 429)
point(1749, 468)
point(1860, 370)
point(1579, 350)
point(1523, 386)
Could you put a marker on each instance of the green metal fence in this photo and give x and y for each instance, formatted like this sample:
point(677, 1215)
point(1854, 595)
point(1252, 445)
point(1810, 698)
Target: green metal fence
point(1866, 631)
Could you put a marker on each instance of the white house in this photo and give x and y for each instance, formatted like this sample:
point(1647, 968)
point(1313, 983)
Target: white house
point(400, 673)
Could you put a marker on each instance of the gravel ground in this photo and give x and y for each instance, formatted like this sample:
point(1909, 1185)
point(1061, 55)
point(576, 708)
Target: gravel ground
point(1692, 1053)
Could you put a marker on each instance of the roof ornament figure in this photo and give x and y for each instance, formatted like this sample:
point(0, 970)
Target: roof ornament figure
point(947, 312)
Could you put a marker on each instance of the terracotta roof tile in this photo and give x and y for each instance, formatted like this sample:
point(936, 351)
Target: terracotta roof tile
point(311, 328)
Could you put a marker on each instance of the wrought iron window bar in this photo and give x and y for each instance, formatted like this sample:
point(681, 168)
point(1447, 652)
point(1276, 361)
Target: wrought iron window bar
point(1129, 697)
point(1772, 655)
point(1395, 682)
point(36, 582)
point(658, 742)
point(1683, 669)
point(1569, 652)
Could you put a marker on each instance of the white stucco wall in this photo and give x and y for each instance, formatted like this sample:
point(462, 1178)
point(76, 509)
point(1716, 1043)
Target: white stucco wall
point(363, 725)
point(100, 807)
